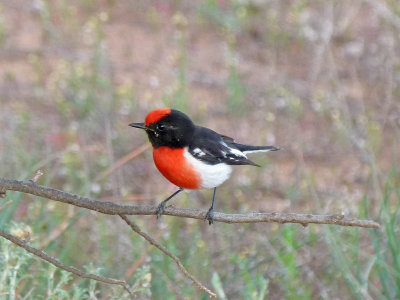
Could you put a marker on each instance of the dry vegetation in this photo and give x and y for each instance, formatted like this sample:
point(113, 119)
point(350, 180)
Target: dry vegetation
point(320, 79)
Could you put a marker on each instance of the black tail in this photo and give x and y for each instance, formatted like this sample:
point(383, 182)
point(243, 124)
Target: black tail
point(249, 148)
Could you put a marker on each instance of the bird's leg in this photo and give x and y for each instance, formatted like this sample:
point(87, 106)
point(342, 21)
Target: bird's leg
point(161, 206)
point(210, 213)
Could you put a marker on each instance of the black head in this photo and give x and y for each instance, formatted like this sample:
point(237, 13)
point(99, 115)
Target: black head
point(167, 127)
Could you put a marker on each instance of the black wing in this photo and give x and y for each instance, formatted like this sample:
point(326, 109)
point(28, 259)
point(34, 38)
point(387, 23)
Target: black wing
point(211, 148)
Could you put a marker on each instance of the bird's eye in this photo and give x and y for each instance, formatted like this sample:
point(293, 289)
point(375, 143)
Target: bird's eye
point(160, 127)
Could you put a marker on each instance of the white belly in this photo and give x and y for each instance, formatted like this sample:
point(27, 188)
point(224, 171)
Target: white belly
point(211, 175)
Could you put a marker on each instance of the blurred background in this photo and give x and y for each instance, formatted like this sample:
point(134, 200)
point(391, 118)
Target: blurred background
point(320, 79)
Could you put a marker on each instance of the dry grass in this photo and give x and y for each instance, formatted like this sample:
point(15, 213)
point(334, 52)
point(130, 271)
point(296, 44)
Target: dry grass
point(319, 79)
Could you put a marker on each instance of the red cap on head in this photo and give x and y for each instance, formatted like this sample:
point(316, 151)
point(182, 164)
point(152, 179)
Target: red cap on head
point(157, 115)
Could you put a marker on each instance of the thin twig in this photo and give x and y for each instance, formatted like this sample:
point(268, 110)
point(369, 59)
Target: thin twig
point(54, 261)
point(5, 205)
point(167, 252)
point(385, 12)
point(122, 161)
point(109, 208)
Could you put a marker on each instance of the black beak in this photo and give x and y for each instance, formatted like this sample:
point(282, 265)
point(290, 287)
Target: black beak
point(138, 125)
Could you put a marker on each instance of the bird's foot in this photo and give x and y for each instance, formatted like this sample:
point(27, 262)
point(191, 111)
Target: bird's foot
point(210, 216)
point(160, 209)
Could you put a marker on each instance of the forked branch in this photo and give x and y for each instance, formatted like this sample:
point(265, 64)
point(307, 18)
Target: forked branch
point(110, 208)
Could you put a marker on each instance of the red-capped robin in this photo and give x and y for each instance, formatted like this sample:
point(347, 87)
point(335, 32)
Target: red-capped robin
point(190, 156)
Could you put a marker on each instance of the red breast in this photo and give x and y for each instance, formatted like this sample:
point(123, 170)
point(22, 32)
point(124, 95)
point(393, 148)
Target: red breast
point(173, 165)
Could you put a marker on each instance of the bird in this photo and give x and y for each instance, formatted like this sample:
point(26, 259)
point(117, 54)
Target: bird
point(193, 157)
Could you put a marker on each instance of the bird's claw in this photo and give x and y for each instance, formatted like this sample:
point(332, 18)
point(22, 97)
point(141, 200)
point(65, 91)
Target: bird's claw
point(210, 216)
point(160, 209)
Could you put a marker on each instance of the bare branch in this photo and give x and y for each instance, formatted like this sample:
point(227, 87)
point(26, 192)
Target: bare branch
point(110, 208)
point(54, 261)
point(167, 252)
